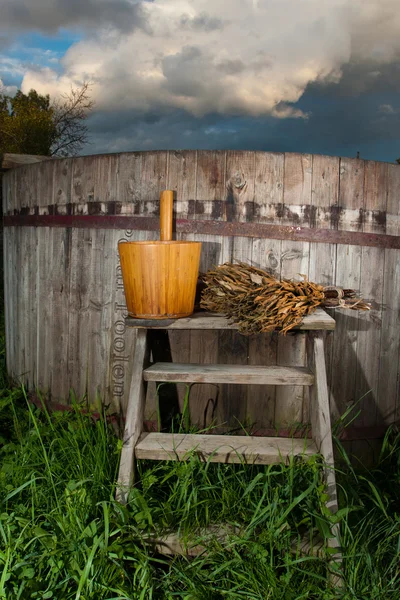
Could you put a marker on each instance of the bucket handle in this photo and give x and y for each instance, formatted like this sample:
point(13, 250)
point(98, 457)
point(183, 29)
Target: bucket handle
point(166, 207)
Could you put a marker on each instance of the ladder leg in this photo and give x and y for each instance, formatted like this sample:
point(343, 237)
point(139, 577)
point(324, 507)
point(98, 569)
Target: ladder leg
point(134, 417)
point(320, 415)
point(322, 434)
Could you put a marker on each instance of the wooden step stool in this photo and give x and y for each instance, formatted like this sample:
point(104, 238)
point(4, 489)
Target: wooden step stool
point(222, 448)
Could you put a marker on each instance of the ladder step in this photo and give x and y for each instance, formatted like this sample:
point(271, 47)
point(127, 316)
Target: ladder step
point(222, 448)
point(200, 373)
point(175, 543)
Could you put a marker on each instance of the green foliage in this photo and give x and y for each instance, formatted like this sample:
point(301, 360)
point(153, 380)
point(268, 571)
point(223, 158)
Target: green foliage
point(26, 124)
point(63, 536)
point(33, 124)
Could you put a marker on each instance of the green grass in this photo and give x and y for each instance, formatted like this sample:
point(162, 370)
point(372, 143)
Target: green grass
point(63, 536)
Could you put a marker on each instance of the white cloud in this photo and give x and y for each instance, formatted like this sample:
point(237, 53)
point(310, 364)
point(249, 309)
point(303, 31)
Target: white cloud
point(13, 67)
point(8, 90)
point(252, 57)
point(387, 109)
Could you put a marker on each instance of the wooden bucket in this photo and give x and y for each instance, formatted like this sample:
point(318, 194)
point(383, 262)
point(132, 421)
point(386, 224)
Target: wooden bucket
point(160, 277)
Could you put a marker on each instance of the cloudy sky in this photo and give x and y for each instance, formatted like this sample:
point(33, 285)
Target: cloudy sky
point(320, 76)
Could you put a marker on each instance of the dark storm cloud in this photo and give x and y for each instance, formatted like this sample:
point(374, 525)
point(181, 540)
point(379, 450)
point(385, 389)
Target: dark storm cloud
point(365, 77)
point(50, 15)
point(201, 22)
point(231, 67)
point(5, 40)
point(339, 124)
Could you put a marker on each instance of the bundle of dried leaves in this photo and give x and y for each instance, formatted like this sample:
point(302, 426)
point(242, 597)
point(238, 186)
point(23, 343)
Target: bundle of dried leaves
point(258, 302)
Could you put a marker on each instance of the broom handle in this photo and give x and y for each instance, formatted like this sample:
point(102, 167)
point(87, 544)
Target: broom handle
point(166, 205)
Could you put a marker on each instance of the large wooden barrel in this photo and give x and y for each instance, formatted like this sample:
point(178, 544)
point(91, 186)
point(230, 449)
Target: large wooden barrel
point(333, 219)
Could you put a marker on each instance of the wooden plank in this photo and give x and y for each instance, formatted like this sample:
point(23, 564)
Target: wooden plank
point(81, 280)
point(208, 205)
point(265, 254)
point(239, 207)
point(348, 270)
point(389, 367)
point(371, 288)
point(203, 320)
point(54, 279)
point(61, 172)
point(268, 187)
point(78, 311)
point(129, 183)
point(153, 178)
point(10, 280)
point(172, 544)
point(105, 182)
point(26, 190)
point(18, 303)
point(134, 418)
point(233, 374)
point(211, 203)
point(101, 189)
point(294, 263)
point(233, 350)
point(321, 428)
point(123, 339)
point(230, 346)
point(57, 317)
point(240, 177)
point(83, 173)
point(8, 189)
point(261, 399)
point(28, 305)
point(181, 178)
point(324, 211)
point(196, 543)
point(222, 448)
point(45, 311)
point(11, 161)
point(320, 413)
point(203, 397)
point(100, 297)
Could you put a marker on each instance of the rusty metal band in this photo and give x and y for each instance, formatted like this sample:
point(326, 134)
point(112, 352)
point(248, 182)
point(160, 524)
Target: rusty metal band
point(214, 228)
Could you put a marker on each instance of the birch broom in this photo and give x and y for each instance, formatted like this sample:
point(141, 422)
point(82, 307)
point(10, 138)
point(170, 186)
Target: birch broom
point(257, 302)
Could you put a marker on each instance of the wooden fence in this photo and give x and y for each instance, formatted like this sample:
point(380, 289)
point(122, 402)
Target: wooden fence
point(335, 220)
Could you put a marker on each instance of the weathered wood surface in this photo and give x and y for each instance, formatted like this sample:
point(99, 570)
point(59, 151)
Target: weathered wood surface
point(319, 320)
point(222, 448)
point(134, 417)
point(64, 296)
point(11, 161)
point(172, 544)
point(232, 374)
point(320, 414)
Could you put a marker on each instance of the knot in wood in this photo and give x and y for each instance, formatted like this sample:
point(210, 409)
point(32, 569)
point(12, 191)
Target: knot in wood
point(238, 180)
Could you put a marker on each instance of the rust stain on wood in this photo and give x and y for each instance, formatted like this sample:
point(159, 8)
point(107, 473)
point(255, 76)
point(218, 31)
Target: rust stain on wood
point(220, 228)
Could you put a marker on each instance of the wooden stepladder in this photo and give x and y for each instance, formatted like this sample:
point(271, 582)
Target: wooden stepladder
point(222, 448)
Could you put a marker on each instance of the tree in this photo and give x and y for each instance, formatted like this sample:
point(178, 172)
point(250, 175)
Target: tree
point(33, 124)
point(26, 124)
point(69, 118)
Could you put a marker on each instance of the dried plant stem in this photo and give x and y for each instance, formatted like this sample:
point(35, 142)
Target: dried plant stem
point(258, 302)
